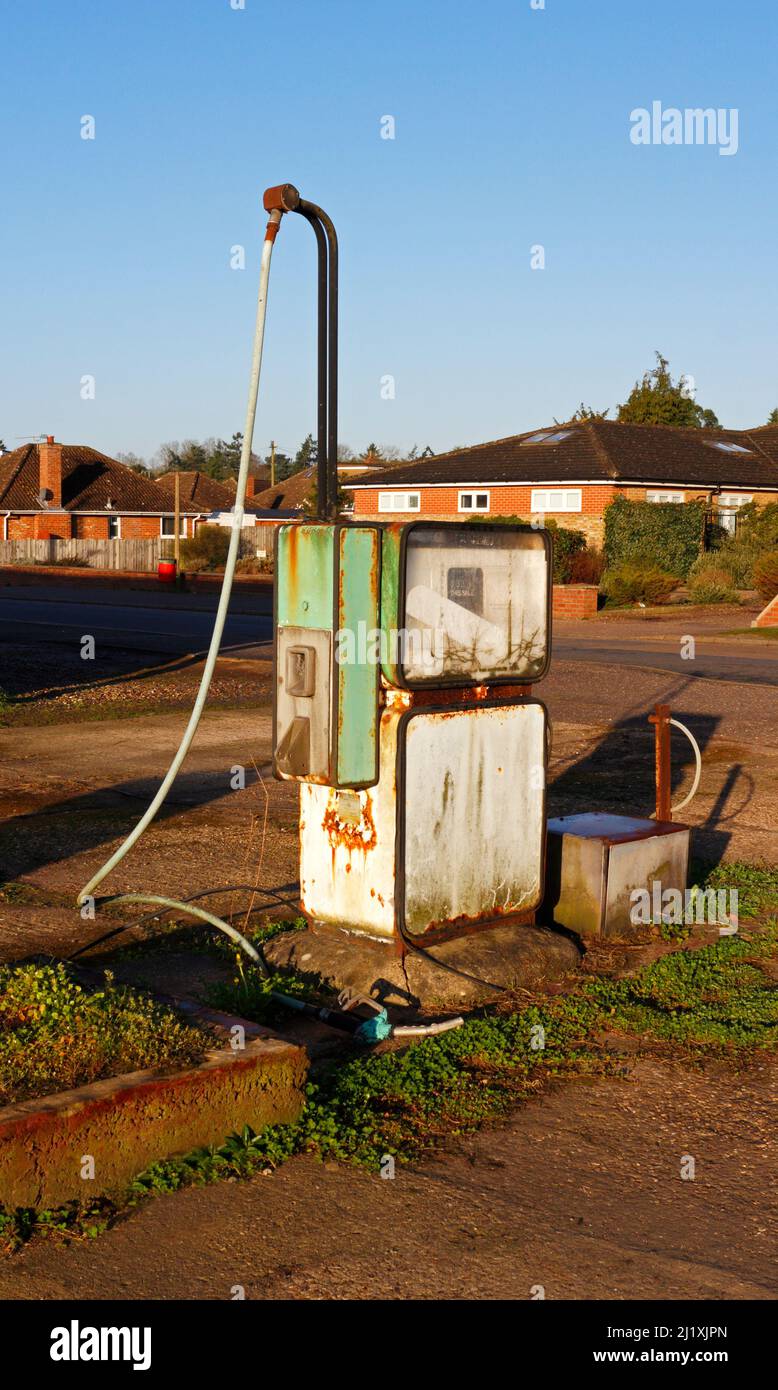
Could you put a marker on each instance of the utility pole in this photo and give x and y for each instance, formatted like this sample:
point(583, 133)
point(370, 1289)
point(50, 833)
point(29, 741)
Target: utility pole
point(177, 523)
point(272, 463)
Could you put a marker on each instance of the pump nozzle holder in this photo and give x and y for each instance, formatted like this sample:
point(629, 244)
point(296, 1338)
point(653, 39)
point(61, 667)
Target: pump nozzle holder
point(282, 198)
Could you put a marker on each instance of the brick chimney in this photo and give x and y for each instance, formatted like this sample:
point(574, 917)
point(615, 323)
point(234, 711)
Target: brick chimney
point(251, 487)
point(50, 475)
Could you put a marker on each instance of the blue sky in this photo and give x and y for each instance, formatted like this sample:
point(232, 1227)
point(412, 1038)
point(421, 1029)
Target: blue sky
point(512, 130)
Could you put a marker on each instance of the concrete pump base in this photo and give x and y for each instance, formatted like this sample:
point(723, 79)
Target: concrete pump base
point(452, 975)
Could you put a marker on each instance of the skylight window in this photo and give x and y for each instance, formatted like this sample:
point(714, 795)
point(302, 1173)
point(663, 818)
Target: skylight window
point(548, 437)
point(727, 448)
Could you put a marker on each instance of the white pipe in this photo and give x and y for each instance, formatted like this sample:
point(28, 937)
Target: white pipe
point(698, 769)
point(229, 572)
point(200, 912)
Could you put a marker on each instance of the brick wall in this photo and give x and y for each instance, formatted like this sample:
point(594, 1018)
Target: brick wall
point(768, 616)
point(140, 528)
point(57, 525)
point(90, 528)
point(21, 528)
point(442, 503)
point(574, 600)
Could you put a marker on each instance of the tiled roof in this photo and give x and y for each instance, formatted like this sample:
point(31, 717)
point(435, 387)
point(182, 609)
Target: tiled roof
point(198, 492)
point(89, 481)
point(601, 451)
point(289, 495)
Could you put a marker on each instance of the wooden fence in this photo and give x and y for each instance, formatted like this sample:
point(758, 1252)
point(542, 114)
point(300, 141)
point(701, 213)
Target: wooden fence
point(140, 556)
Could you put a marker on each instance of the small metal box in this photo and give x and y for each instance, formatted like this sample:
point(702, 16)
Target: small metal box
point(596, 861)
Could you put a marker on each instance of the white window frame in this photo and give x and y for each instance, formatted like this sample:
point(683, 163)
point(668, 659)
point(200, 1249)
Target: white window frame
point(728, 446)
point(171, 534)
point(113, 517)
point(556, 499)
point(474, 493)
point(735, 500)
point(555, 436)
point(398, 502)
point(662, 496)
point(729, 504)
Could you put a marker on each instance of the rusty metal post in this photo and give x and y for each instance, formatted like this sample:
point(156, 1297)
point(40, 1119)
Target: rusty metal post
point(661, 721)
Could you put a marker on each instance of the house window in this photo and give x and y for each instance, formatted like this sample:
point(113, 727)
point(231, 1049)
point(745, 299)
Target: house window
point(548, 437)
point(727, 447)
point(729, 505)
point(665, 497)
point(168, 526)
point(114, 528)
point(398, 501)
point(555, 499)
point(474, 501)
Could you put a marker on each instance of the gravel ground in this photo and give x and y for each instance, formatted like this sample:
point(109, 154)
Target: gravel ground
point(580, 1192)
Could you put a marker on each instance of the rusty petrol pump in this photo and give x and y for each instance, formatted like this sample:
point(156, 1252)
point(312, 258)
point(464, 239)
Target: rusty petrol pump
point(405, 656)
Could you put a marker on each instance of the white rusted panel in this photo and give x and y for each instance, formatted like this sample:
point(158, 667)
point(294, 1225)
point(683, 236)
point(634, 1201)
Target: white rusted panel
point(347, 846)
point(474, 800)
point(476, 609)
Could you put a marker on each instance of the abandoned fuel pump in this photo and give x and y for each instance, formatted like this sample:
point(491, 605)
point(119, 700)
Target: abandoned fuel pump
point(404, 661)
point(405, 656)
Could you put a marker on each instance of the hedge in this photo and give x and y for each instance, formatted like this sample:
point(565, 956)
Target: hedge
point(669, 534)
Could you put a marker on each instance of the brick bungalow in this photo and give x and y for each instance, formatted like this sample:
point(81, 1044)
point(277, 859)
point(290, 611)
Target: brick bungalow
point(572, 472)
point(72, 492)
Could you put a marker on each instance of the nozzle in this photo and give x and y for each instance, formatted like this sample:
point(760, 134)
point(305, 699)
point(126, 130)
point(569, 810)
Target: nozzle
point(283, 198)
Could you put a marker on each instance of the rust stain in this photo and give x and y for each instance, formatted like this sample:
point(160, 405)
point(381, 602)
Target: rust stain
point(466, 926)
point(397, 698)
point(349, 836)
point(454, 698)
point(292, 546)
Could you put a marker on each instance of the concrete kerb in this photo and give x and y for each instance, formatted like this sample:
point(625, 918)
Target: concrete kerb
point(124, 1123)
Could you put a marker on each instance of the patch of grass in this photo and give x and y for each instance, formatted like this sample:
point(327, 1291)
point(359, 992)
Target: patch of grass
point(771, 633)
point(56, 1034)
point(717, 999)
point(249, 994)
point(756, 884)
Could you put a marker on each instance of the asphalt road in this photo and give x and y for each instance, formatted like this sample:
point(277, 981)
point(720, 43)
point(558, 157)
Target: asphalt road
point(174, 625)
point(142, 625)
point(715, 663)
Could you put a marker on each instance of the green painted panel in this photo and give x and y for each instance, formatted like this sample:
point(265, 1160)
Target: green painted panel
point(357, 669)
point(390, 598)
point(305, 576)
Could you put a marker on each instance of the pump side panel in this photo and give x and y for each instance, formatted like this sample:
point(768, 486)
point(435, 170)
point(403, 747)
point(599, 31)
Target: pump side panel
point(390, 599)
point(357, 660)
point(305, 576)
point(473, 815)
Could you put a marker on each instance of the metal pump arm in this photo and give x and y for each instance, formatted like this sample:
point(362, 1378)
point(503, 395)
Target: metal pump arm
point(285, 198)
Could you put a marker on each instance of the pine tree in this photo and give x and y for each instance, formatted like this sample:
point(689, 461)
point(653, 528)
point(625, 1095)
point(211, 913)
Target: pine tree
point(658, 400)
